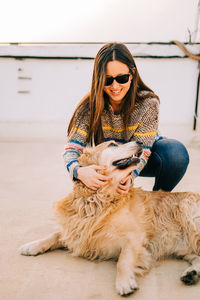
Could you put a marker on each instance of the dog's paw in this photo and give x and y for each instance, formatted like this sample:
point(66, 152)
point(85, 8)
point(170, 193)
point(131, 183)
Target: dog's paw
point(31, 248)
point(190, 276)
point(126, 286)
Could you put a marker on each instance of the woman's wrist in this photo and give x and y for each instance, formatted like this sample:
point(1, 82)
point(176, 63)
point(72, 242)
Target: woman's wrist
point(75, 173)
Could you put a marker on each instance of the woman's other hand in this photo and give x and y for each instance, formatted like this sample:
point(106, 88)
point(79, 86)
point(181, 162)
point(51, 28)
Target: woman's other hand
point(124, 185)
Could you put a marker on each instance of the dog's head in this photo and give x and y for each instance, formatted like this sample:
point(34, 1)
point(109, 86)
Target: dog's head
point(120, 159)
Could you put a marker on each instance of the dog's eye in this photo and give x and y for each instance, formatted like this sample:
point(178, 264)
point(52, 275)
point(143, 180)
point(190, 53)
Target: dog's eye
point(112, 145)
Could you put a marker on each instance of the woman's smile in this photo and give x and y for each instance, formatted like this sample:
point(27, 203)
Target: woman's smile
point(115, 92)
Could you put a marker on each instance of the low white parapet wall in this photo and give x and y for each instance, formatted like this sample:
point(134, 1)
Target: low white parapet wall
point(89, 50)
point(41, 84)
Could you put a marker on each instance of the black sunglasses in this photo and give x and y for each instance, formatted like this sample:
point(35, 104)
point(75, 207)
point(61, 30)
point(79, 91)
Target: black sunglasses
point(120, 79)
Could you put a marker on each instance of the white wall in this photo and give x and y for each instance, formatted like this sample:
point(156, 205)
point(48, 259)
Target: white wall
point(56, 86)
point(174, 80)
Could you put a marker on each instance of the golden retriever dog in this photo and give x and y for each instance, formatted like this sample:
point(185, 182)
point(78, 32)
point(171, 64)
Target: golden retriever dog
point(136, 229)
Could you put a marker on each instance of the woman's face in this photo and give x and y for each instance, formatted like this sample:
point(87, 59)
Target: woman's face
point(117, 91)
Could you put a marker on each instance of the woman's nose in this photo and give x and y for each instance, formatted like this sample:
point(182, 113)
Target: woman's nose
point(115, 83)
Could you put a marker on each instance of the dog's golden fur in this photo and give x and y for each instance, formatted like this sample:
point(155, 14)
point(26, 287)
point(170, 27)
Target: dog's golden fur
point(137, 228)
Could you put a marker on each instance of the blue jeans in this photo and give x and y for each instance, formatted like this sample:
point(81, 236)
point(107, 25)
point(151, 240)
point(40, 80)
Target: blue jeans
point(167, 163)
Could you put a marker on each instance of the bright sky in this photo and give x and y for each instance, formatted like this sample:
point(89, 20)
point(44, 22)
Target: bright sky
point(96, 20)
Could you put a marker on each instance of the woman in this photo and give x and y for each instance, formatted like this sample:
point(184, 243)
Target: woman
point(121, 107)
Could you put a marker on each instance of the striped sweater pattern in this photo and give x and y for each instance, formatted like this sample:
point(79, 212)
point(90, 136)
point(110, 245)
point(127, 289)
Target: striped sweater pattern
point(142, 126)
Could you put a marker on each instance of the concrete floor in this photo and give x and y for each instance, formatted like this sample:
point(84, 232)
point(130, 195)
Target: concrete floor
point(32, 177)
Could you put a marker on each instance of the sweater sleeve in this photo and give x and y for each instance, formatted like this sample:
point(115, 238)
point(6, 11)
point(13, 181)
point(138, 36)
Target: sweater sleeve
point(76, 142)
point(147, 131)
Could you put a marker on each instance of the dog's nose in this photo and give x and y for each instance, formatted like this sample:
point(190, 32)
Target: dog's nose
point(139, 143)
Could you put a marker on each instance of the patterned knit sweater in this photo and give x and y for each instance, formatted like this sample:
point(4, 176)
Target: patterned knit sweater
point(143, 125)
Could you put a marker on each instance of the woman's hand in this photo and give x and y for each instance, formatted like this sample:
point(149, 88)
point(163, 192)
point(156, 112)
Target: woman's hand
point(89, 176)
point(124, 185)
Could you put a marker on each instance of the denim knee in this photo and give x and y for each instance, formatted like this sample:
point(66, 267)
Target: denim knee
point(172, 153)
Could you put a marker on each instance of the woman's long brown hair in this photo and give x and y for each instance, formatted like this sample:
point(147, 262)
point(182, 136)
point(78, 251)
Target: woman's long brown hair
point(96, 100)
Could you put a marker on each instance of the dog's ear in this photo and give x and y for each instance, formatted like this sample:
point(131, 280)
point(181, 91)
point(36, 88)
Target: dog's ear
point(126, 162)
point(89, 157)
point(87, 150)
